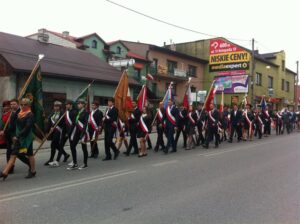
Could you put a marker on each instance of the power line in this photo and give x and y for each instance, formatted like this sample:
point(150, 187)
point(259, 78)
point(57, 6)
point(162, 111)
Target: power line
point(170, 24)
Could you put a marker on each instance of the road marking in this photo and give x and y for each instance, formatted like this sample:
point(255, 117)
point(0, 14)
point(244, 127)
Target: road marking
point(164, 163)
point(62, 186)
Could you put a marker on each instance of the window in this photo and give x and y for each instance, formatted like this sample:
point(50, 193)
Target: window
point(282, 84)
point(94, 44)
point(155, 63)
point(287, 86)
point(171, 67)
point(173, 88)
point(192, 70)
point(258, 79)
point(283, 65)
point(193, 89)
point(270, 82)
point(118, 50)
point(137, 74)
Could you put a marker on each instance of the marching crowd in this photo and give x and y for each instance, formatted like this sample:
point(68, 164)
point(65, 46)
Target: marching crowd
point(197, 125)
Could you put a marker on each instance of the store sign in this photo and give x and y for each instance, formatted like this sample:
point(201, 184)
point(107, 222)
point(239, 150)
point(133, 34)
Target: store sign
point(232, 84)
point(227, 57)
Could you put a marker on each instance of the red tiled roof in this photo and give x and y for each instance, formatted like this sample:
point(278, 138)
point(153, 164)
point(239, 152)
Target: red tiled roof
point(136, 56)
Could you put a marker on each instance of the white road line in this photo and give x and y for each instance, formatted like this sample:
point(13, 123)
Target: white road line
point(62, 186)
point(164, 163)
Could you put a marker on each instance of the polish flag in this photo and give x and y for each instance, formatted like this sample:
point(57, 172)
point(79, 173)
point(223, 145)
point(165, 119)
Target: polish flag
point(210, 97)
point(187, 100)
point(149, 77)
point(142, 98)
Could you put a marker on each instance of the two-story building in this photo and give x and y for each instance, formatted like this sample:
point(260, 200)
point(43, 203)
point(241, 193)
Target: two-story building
point(270, 77)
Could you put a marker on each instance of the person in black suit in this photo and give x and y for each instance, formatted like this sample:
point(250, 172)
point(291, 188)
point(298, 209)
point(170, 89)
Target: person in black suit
point(133, 121)
point(171, 126)
point(267, 114)
point(201, 117)
point(160, 126)
point(235, 123)
point(212, 126)
point(181, 125)
point(80, 134)
point(110, 125)
point(57, 136)
point(95, 127)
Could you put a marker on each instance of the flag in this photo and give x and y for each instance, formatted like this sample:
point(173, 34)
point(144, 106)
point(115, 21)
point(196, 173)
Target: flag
point(142, 98)
point(149, 77)
point(85, 95)
point(222, 103)
point(245, 101)
point(187, 100)
point(34, 92)
point(121, 97)
point(263, 103)
point(168, 96)
point(210, 97)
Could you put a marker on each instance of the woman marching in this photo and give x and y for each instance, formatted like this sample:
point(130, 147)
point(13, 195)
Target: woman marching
point(143, 133)
point(22, 139)
point(190, 127)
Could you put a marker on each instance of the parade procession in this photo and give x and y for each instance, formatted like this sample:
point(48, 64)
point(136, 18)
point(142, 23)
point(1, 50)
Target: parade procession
point(79, 123)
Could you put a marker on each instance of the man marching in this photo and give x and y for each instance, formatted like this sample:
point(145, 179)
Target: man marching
point(201, 117)
point(235, 123)
point(160, 126)
point(171, 126)
point(95, 127)
point(181, 125)
point(212, 126)
point(80, 134)
point(110, 125)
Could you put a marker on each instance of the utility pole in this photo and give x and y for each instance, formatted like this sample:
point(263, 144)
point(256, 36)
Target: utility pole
point(252, 73)
point(296, 86)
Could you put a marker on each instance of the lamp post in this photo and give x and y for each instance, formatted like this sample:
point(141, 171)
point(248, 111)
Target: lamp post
point(252, 72)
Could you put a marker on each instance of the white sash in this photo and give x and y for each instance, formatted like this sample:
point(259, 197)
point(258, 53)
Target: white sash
point(170, 117)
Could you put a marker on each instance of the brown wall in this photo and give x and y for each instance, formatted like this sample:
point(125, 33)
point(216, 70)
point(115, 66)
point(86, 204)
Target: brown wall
point(182, 64)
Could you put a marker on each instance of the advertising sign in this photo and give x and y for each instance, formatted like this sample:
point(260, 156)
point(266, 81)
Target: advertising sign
point(232, 84)
point(227, 57)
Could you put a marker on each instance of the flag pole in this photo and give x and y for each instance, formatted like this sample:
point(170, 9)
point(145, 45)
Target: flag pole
point(40, 57)
point(58, 121)
point(171, 83)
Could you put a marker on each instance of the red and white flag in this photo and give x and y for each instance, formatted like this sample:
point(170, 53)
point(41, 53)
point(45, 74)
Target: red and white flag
point(149, 77)
point(187, 100)
point(142, 99)
point(222, 103)
point(210, 96)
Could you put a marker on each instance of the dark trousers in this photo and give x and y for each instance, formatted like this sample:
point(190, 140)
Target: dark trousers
point(179, 130)
point(258, 131)
point(94, 148)
point(57, 144)
point(149, 142)
point(108, 142)
point(171, 141)
point(133, 143)
point(73, 145)
point(212, 132)
point(200, 138)
point(235, 129)
point(278, 128)
point(267, 130)
point(160, 138)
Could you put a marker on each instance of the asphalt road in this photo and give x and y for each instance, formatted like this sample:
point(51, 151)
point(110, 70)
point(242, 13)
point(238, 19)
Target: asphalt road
point(249, 182)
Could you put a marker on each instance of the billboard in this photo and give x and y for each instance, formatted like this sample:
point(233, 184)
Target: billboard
point(232, 84)
point(227, 58)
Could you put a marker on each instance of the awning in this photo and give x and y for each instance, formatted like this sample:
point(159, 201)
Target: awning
point(138, 65)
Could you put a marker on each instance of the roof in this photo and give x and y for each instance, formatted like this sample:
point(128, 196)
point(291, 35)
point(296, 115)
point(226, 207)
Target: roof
point(22, 53)
point(90, 35)
point(136, 56)
point(290, 71)
point(117, 41)
point(69, 37)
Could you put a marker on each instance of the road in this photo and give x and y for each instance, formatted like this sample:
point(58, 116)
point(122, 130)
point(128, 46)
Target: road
point(249, 182)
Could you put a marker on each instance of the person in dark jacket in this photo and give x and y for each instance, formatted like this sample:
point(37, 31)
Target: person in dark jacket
point(110, 126)
point(160, 126)
point(212, 126)
point(171, 126)
point(143, 131)
point(235, 123)
point(181, 125)
point(80, 134)
point(95, 128)
point(22, 139)
point(57, 136)
point(190, 127)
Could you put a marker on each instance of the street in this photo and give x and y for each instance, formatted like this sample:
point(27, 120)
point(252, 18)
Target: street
point(247, 182)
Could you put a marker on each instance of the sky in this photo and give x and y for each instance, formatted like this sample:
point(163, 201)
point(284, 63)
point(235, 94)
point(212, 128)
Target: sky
point(273, 24)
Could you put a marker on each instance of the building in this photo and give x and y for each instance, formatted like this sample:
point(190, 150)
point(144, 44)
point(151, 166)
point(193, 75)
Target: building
point(66, 71)
point(163, 64)
point(271, 77)
point(92, 43)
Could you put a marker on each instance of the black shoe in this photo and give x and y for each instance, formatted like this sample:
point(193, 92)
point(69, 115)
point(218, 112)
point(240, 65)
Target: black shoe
point(134, 153)
point(205, 146)
point(172, 151)
point(106, 159)
point(216, 146)
point(230, 141)
point(126, 153)
point(116, 154)
point(4, 176)
point(155, 149)
point(166, 150)
point(149, 148)
point(30, 175)
point(66, 158)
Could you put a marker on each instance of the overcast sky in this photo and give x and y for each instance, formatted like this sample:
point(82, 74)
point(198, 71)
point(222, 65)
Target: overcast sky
point(273, 24)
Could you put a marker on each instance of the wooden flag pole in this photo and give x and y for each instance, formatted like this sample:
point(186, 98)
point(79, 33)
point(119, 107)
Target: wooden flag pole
point(57, 122)
point(41, 56)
